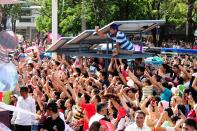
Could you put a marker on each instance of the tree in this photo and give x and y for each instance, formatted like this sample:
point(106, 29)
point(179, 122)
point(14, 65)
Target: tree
point(97, 12)
point(13, 11)
point(101, 12)
point(15, 14)
point(190, 14)
point(181, 13)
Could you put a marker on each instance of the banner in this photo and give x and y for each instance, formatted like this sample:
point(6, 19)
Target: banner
point(8, 77)
point(8, 71)
point(3, 127)
point(15, 109)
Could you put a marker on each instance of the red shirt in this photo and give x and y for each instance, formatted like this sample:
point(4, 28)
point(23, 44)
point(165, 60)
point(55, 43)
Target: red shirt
point(61, 110)
point(90, 111)
point(1, 96)
point(124, 73)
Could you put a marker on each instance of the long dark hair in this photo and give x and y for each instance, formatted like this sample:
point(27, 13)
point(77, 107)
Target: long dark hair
point(168, 69)
point(95, 126)
point(62, 102)
point(181, 107)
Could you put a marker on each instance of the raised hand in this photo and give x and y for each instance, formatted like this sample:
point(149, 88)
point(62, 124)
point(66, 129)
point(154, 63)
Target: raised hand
point(96, 28)
point(121, 92)
point(147, 75)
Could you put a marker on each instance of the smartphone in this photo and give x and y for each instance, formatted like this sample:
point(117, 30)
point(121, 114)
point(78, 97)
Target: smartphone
point(93, 69)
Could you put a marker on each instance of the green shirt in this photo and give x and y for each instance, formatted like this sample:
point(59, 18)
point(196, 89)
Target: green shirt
point(6, 97)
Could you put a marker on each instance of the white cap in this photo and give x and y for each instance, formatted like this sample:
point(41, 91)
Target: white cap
point(15, 95)
point(130, 83)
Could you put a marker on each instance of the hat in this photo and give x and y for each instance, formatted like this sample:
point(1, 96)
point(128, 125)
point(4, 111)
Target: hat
point(175, 91)
point(191, 114)
point(130, 83)
point(114, 26)
point(29, 61)
point(181, 89)
point(16, 96)
point(165, 104)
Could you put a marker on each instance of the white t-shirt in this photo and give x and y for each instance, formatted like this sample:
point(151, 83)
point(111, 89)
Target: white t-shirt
point(134, 127)
point(96, 117)
point(67, 127)
point(170, 129)
point(121, 124)
point(27, 104)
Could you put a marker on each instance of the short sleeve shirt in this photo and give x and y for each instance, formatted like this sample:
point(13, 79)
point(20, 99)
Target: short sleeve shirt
point(121, 39)
point(52, 125)
point(166, 95)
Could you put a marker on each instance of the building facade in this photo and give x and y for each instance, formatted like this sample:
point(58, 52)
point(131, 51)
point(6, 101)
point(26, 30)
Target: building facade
point(26, 25)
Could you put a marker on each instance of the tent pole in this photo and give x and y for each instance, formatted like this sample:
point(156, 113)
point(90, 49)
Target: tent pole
point(157, 36)
point(107, 53)
point(54, 21)
point(141, 44)
point(54, 24)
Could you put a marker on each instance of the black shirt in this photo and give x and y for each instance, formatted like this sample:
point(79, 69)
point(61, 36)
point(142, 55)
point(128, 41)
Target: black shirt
point(50, 124)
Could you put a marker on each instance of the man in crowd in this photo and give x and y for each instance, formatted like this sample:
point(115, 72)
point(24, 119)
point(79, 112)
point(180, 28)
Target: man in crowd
point(23, 122)
point(189, 125)
point(101, 113)
point(122, 44)
point(53, 122)
point(139, 123)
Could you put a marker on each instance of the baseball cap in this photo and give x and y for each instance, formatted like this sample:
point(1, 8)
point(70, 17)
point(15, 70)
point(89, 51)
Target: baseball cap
point(181, 89)
point(114, 26)
point(16, 96)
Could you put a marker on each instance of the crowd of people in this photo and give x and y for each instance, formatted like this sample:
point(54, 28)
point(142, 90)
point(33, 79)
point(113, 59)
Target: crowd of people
point(80, 93)
point(170, 43)
point(177, 44)
point(65, 93)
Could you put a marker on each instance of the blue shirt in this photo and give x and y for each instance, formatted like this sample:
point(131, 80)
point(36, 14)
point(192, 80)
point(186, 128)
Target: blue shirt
point(166, 94)
point(22, 55)
point(121, 39)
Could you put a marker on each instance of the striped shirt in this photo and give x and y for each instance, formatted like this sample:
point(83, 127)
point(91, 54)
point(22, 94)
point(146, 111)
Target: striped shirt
point(147, 91)
point(77, 112)
point(121, 39)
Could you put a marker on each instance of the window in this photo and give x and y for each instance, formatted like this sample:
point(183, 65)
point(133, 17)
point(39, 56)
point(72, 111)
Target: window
point(25, 19)
point(26, 13)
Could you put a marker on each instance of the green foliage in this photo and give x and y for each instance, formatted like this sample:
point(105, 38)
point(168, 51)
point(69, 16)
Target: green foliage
point(175, 12)
point(70, 19)
point(101, 12)
point(13, 11)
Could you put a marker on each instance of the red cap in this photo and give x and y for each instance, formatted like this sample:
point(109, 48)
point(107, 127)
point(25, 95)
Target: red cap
point(191, 114)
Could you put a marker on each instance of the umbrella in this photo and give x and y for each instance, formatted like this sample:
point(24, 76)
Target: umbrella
point(29, 49)
point(8, 77)
point(154, 60)
point(3, 2)
point(50, 36)
point(8, 42)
